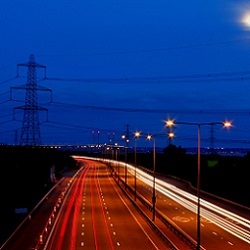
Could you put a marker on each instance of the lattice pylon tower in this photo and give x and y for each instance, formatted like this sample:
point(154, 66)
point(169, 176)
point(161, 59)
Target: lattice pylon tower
point(30, 133)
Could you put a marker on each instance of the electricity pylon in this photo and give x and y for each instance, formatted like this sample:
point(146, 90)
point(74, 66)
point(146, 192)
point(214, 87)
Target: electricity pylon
point(30, 134)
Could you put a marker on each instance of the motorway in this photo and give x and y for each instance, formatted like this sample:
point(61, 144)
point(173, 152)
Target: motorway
point(220, 227)
point(95, 215)
point(86, 210)
point(96, 208)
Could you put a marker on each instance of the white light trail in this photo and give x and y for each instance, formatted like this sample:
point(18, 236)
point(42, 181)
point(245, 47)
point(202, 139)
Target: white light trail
point(230, 222)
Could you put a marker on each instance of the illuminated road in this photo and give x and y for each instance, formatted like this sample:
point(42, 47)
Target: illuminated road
point(220, 228)
point(94, 209)
point(95, 215)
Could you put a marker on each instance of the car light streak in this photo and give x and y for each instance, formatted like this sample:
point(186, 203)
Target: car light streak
point(230, 222)
point(184, 198)
point(71, 207)
point(95, 191)
point(94, 222)
point(103, 213)
point(77, 207)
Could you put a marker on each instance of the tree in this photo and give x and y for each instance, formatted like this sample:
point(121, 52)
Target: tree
point(174, 152)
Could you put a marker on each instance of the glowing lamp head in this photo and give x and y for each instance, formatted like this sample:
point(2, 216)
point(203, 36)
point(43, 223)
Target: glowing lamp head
point(169, 123)
point(137, 134)
point(227, 124)
point(149, 137)
point(171, 135)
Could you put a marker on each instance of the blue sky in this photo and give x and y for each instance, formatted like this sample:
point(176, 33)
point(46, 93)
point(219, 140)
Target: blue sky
point(187, 60)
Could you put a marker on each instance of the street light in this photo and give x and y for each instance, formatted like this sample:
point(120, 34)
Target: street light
point(116, 152)
point(226, 124)
point(124, 137)
point(136, 135)
point(149, 137)
point(170, 136)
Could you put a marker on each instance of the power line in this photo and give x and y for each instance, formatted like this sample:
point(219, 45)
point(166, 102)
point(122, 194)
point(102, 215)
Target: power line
point(204, 77)
point(160, 111)
point(139, 51)
point(223, 76)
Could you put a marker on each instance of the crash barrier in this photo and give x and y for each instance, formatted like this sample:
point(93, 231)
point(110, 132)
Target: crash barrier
point(44, 234)
point(52, 218)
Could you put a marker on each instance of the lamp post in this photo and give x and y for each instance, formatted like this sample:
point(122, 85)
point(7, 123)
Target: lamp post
point(124, 137)
point(116, 148)
point(154, 196)
point(149, 137)
point(137, 134)
point(226, 124)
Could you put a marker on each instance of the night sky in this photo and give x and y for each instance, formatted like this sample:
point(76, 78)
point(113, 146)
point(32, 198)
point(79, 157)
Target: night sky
point(128, 63)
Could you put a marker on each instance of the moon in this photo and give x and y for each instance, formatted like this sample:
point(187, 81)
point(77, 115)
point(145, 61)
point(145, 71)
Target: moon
point(246, 20)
